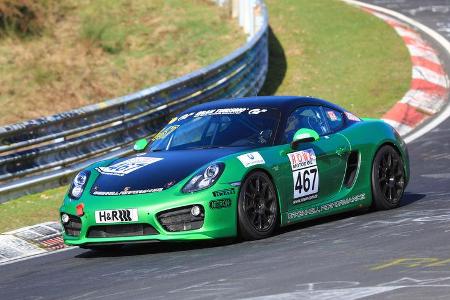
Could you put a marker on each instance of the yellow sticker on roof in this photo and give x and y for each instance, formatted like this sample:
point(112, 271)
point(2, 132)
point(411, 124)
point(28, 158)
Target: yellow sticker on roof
point(165, 132)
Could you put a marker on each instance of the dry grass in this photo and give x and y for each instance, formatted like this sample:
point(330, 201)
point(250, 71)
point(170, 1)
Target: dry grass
point(92, 50)
point(21, 17)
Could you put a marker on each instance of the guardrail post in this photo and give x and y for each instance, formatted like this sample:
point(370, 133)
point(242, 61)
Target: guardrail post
point(258, 16)
point(241, 12)
point(234, 8)
point(247, 16)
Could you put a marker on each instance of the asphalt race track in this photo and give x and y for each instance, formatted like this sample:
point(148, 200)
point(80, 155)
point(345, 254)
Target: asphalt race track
point(398, 254)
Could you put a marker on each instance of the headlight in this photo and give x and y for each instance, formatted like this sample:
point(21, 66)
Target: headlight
point(78, 185)
point(204, 179)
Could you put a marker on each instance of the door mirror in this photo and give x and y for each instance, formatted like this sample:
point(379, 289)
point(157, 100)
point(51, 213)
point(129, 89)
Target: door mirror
point(304, 135)
point(140, 145)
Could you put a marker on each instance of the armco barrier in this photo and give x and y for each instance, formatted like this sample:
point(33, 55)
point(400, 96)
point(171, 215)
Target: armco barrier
point(46, 152)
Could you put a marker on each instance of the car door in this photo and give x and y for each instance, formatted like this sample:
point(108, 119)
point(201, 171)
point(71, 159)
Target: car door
point(317, 167)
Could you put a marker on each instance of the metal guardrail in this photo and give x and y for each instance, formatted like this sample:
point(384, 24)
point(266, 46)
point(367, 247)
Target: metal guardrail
point(46, 152)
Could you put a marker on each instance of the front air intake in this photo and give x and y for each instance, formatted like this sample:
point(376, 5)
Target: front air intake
point(183, 218)
point(120, 230)
point(73, 226)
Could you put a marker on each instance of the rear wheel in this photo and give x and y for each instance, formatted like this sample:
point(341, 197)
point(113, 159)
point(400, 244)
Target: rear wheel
point(388, 178)
point(257, 207)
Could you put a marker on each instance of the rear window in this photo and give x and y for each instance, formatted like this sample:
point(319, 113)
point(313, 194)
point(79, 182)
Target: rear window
point(351, 117)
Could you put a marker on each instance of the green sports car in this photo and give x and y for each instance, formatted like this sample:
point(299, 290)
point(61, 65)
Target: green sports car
point(238, 167)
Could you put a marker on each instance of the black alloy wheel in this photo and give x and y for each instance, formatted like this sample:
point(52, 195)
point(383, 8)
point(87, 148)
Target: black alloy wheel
point(388, 178)
point(257, 207)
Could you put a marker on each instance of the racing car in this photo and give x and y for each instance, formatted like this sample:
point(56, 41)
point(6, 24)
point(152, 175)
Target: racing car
point(238, 168)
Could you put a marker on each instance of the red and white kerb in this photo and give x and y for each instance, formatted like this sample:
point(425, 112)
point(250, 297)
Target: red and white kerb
point(429, 85)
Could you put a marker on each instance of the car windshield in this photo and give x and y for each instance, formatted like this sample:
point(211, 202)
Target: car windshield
point(221, 127)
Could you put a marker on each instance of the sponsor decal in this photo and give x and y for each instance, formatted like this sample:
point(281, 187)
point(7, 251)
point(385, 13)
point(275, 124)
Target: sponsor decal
point(127, 166)
point(165, 132)
point(221, 203)
point(352, 117)
point(307, 198)
point(169, 184)
point(126, 192)
point(222, 111)
point(185, 116)
point(326, 207)
point(256, 111)
point(251, 159)
point(331, 115)
point(116, 215)
point(225, 192)
point(305, 175)
point(302, 159)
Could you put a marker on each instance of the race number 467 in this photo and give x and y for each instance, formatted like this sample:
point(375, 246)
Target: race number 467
point(305, 174)
point(306, 182)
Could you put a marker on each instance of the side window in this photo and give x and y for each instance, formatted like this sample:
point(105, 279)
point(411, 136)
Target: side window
point(334, 118)
point(305, 117)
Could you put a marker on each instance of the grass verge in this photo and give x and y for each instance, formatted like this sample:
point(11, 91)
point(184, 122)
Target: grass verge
point(328, 49)
point(91, 50)
point(31, 209)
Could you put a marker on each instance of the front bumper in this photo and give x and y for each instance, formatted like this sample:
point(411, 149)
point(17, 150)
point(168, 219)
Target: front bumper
point(219, 220)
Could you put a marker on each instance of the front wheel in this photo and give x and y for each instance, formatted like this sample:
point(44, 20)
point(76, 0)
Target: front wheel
point(257, 207)
point(388, 178)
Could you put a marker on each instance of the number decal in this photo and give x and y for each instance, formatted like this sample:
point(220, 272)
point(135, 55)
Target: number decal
point(305, 175)
point(127, 166)
point(298, 184)
point(314, 171)
point(306, 182)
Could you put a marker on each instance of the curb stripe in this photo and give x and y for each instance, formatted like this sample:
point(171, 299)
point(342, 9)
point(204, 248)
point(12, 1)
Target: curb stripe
point(425, 54)
point(430, 76)
point(406, 32)
point(405, 114)
point(420, 61)
point(429, 85)
point(420, 84)
point(414, 41)
point(429, 103)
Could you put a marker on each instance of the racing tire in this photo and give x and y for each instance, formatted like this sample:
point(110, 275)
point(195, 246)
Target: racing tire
point(257, 207)
point(388, 178)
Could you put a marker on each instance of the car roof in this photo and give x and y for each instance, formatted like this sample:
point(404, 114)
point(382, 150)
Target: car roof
point(282, 103)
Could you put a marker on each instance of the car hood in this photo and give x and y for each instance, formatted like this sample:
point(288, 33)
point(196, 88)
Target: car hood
point(153, 171)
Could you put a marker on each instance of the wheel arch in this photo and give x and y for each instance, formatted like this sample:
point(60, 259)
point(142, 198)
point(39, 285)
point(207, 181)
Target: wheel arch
point(397, 148)
point(274, 186)
point(389, 143)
